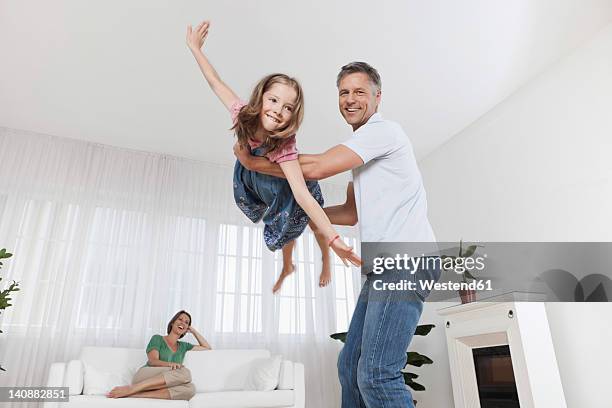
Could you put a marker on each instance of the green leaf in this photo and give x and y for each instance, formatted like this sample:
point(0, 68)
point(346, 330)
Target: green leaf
point(470, 251)
point(416, 359)
point(5, 295)
point(409, 376)
point(4, 254)
point(414, 385)
point(339, 336)
point(468, 275)
point(424, 329)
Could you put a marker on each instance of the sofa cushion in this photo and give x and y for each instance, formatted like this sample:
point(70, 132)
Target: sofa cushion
point(97, 382)
point(264, 373)
point(243, 399)
point(114, 360)
point(221, 370)
point(98, 401)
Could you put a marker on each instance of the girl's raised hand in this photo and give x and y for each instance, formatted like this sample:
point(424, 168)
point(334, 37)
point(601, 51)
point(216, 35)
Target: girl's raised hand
point(345, 252)
point(196, 36)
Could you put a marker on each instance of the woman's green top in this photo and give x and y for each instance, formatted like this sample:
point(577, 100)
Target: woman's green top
point(158, 343)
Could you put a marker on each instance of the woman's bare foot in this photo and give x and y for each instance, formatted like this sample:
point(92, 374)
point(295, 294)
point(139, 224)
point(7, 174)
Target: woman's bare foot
point(325, 277)
point(120, 392)
point(287, 270)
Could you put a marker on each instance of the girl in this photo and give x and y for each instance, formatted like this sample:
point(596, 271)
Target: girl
point(267, 124)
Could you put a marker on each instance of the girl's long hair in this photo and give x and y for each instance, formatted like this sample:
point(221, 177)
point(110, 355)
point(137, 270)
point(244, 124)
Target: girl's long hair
point(248, 119)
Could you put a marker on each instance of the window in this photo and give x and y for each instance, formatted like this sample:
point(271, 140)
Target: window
point(346, 283)
point(296, 307)
point(239, 281)
point(45, 230)
point(113, 259)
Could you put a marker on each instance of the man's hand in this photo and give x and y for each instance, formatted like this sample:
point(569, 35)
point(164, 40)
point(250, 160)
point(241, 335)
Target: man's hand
point(175, 366)
point(243, 155)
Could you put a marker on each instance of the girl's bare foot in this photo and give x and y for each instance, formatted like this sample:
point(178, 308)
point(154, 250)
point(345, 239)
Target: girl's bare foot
point(325, 277)
point(120, 392)
point(287, 270)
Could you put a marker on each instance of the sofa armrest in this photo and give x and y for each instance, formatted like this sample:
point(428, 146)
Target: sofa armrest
point(55, 378)
point(299, 386)
point(56, 375)
point(74, 377)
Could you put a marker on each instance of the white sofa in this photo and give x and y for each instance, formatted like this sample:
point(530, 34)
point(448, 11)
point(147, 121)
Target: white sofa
point(219, 377)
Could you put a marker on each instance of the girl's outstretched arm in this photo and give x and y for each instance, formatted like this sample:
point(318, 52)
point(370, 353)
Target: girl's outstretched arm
point(294, 176)
point(195, 40)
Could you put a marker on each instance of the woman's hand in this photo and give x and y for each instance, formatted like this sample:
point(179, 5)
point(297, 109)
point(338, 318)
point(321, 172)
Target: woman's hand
point(175, 366)
point(195, 37)
point(345, 252)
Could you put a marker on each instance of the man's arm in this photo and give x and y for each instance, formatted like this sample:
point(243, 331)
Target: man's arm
point(344, 214)
point(336, 160)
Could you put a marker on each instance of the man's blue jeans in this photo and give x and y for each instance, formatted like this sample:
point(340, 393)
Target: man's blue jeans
point(381, 329)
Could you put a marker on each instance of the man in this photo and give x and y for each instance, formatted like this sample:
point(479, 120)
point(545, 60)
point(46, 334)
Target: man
point(390, 203)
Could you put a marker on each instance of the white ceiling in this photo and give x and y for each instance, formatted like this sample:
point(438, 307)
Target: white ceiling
point(119, 73)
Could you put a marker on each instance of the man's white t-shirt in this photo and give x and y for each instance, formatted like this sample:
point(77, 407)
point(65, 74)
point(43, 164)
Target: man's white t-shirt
point(389, 192)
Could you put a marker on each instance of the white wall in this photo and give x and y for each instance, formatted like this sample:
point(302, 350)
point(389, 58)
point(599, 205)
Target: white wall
point(538, 167)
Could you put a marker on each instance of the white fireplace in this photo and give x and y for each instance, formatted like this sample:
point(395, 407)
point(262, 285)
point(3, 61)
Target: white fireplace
point(476, 330)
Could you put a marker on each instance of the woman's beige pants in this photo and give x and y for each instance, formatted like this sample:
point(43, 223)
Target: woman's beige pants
point(178, 381)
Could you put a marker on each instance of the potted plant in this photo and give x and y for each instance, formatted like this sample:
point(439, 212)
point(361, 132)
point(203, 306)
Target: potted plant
point(5, 294)
point(466, 295)
point(412, 357)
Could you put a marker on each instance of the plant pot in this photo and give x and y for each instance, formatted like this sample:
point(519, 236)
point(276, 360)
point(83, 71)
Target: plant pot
point(467, 296)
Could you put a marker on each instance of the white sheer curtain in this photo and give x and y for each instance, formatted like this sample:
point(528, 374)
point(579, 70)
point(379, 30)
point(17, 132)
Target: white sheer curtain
point(109, 243)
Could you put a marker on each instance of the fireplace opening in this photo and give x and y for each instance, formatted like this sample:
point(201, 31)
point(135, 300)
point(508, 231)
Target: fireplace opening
point(495, 377)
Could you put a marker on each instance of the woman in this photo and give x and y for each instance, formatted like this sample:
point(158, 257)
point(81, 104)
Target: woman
point(164, 375)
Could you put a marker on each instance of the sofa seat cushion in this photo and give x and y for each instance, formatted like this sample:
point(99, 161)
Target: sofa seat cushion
point(99, 401)
point(243, 399)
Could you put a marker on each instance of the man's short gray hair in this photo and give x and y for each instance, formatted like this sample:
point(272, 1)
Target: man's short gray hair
point(358, 66)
